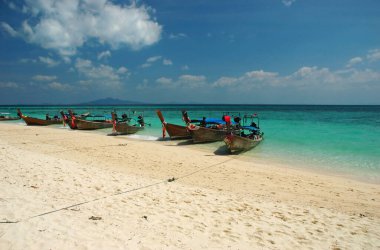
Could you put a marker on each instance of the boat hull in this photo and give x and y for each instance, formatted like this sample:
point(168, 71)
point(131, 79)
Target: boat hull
point(91, 125)
point(237, 143)
point(31, 121)
point(9, 118)
point(177, 131)
point(125, 129)
point(202, 134)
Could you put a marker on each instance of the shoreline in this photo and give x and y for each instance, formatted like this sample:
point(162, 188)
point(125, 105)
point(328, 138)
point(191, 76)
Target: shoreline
point(213, 200)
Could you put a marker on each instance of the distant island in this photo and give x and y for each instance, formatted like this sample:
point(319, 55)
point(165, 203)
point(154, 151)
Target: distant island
point(110, 101)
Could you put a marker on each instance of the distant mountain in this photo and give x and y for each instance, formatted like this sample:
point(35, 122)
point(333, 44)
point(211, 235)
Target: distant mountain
point(110, 101)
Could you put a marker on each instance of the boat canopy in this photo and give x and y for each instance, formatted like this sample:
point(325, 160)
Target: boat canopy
point(213, 121)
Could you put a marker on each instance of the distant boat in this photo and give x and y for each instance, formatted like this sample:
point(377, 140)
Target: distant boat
point(31, 121)
point(248, 137)
point(124, 127)
point(7, 117)
point(174, 131)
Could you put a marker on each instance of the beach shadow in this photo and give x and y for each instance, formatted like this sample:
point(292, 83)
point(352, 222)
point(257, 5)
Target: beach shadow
point(222, 150)
point(184, 143)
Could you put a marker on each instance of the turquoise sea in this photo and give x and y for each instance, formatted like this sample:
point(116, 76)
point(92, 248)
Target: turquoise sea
point(344, 140)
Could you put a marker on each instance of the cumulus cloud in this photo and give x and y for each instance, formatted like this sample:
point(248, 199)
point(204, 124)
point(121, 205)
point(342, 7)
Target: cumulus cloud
point(183, 81)
point(10, 85)
point(150, 61)
point(104, 54)
point(374, 55)
point(288, 3)
point(167, 62)
point(191, 81)
point(102, 74)
point(177, 36)
point(65, 26)
point(43, 78)
point(48, 61)
point(122, 70)
point(165, 82)
point(304, 77)
point(354, 61)
point(248, 80)
point(59, 86)
point(7, 28)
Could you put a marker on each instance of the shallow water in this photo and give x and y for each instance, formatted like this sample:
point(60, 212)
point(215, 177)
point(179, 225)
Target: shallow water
point(340, 139)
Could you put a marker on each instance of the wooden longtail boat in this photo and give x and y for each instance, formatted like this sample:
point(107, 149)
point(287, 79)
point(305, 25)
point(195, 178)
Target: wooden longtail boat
point(174, 131)
point(6, 117)
point(67, 120)
point(31, 121)
point(242, 141)
point(92, 125)
point(206, 130)
point(124, 127)
point(203, 134)
point(236, 143)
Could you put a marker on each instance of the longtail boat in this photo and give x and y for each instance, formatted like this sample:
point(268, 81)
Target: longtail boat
point(6, 117)
point(31, 121)
point(174, 131)
point(70, 119)
point(66, 120)
point(97, 122)
point(248, 138)
point(207, 129)
point(124, 127)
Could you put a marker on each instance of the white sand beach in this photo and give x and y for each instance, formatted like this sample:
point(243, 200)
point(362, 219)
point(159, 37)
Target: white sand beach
point(65, 189)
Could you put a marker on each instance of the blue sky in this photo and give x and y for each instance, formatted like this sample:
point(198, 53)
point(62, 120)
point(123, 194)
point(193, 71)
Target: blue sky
point(199, 51)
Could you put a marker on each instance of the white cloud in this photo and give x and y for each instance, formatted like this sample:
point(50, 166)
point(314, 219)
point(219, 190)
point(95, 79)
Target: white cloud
point(167, 62)
point(303, 77)
point(150, 61)
point(6, 27)
point(288, 3)
point(191, 81)
point(144, 85)
point(122, 70)
point(183, 81)
point(374, 55)
point(177, 36)
point(153, 59)
point(59, 86)
point(165, 82)
point(185, 67)
point(255, 78)
point(43, 78)
point(104, 54)
point(100, 75)
point(65, 26)
point(261, 75)
point(10, 85)
point(47, 60)
point(354, 61)
point(312, 75)
point(225, 82)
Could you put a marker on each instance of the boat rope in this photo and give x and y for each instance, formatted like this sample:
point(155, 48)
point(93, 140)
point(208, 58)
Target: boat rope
point(119, 193)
